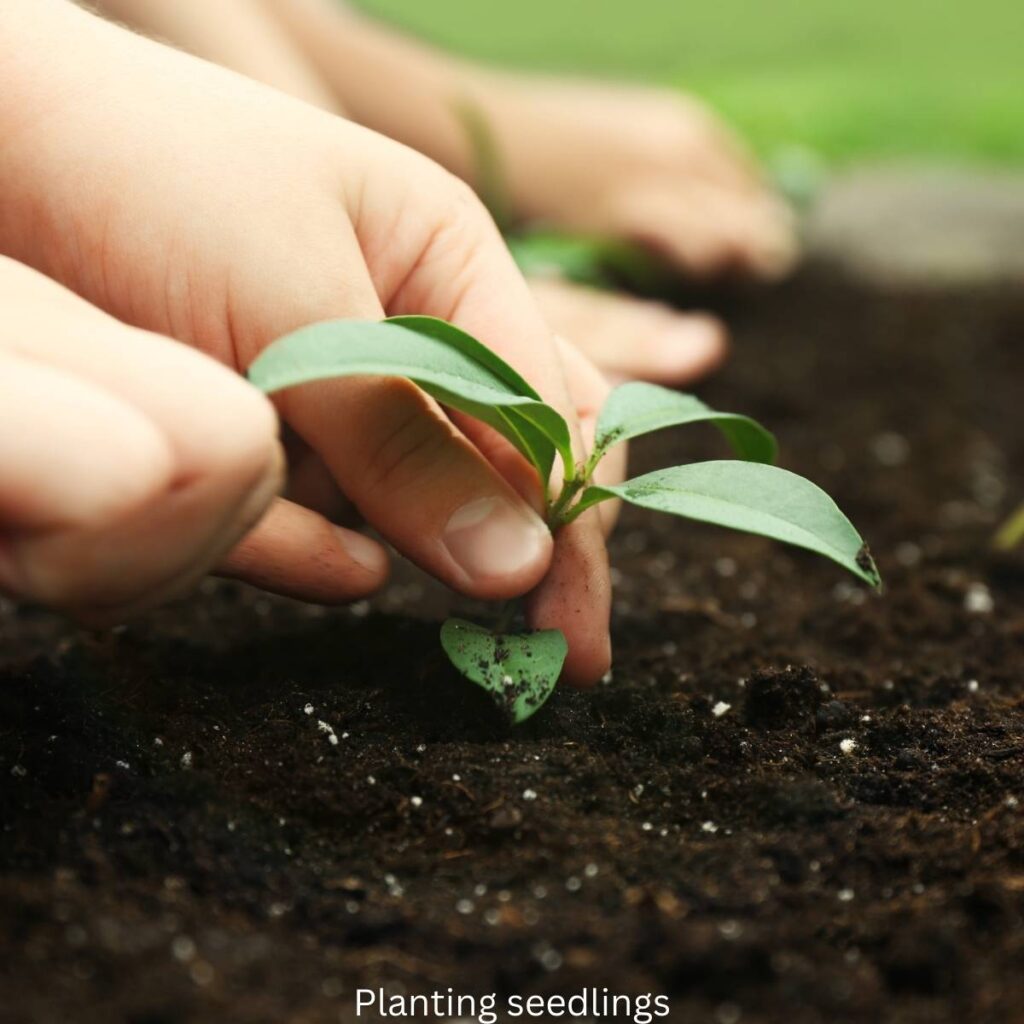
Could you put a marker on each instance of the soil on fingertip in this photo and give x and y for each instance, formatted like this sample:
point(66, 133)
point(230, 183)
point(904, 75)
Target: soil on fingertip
point(793, 801)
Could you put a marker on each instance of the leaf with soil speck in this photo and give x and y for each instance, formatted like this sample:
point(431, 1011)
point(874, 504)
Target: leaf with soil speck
point(519, 671)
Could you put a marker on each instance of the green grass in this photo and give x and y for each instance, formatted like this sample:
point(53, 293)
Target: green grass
point(847, 78)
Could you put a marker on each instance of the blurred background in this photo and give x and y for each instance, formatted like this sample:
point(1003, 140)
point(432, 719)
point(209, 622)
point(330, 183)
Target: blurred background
point(841, 80)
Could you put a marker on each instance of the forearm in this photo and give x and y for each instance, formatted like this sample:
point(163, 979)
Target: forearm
point(238, 34)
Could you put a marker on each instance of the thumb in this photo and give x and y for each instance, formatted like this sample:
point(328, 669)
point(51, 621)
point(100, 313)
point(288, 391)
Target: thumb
point(393, 452)
point(464, 274)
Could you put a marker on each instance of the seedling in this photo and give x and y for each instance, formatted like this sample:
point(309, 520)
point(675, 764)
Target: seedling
point(520, 670)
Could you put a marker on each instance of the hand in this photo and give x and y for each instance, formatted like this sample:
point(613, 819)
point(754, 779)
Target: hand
point(189, 201)
point(647, 165)
point(280, 43)
point(114, 494)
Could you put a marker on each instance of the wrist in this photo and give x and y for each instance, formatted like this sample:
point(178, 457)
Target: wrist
point(387, 81)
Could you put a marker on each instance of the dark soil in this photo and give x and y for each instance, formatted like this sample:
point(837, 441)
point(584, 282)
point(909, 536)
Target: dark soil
point(181, 841)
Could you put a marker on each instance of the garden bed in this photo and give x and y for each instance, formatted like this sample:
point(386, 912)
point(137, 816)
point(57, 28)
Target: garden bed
point(794, 800)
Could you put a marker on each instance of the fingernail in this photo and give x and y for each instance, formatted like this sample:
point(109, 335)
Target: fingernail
point(363, 551)
point(491, 537)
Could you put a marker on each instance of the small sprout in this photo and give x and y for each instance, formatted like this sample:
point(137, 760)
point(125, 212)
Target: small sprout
point(748, 493)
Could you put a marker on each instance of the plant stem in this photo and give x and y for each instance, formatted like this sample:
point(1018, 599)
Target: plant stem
point(506, 617)
point(591, 464)
point(560, 506)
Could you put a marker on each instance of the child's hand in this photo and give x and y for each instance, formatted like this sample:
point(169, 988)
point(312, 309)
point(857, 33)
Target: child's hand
point(649, 165)
point(114, 493)
point(194, 203)
point(646, 165)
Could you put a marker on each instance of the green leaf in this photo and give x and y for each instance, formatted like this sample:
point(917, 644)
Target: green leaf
point(636, 408)
point(519, 671)
point(752, 497)
point(577, 259)
point(537, 424)
point(598, 262)
point(447, 363)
